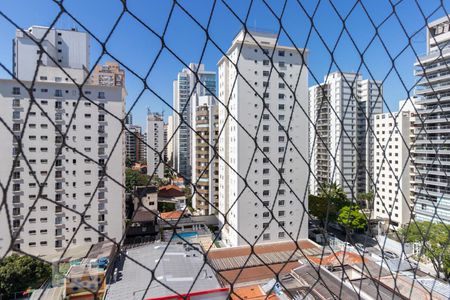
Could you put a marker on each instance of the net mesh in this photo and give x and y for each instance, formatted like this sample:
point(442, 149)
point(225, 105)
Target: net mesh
point(382, 41)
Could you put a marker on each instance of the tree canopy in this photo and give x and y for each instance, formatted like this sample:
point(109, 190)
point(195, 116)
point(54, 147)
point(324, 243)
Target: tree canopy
point(434, 238)
point(328, 203)
point(18, 273)
point(135, 178)
point(352, 218)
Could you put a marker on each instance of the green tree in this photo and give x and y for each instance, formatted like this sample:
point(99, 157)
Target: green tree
point(135, 178)
point(166, 206)
point(18, 273)
point(128, 162)
point(367, 198)
point(352, 218)
point(434, 238)
point(328, 203)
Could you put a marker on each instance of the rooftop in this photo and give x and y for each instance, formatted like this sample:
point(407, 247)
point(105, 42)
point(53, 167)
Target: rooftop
point(171, 215)
point(175, 269)
point(265, 262)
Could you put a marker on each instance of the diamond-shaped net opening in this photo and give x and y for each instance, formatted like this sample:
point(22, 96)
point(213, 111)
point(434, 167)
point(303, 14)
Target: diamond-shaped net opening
point(301, 171)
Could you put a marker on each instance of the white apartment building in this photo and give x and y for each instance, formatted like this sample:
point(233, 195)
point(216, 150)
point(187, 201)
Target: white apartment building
point(63, 48)
point(432, 128)
point(155, 142)
point(202, 83)
point(393, 169)
point(170, 138)
point(64, 147)
point(205, 163)
point(341, 138)
point(246, 213)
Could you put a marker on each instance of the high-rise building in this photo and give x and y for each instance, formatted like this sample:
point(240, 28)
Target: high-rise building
point(431, 149)
point(393, 167)
point(155, 142)
point(341, 138)
point(57, 167)
point(189, 81)
point(170, 138)
point(135, 143)
point(166, 131)
point(263, 190)
point(205, 163)
point(109, 74)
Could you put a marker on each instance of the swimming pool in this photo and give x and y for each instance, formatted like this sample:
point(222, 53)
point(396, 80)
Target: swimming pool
point(186, 234)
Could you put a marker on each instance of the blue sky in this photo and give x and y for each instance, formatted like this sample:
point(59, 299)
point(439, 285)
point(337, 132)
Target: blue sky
point(136, 47)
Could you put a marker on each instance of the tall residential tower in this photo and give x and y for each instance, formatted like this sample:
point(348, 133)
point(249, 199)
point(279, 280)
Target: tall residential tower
point(189, 81)
point(432, 151)
point(255, 182)
point(67, 143)
point(341, 138)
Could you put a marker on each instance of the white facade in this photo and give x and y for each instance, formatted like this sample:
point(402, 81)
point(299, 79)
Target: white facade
point(63, 48)
point(70, 169)
point(73, 181)
point(392, 168)
point(431, 149)
point(341, 138)
point(155, 142)
point(170, 138)
point(183, 89)
point(246, 213)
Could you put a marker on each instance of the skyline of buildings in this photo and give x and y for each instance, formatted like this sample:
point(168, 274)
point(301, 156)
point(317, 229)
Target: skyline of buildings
point(266, 136)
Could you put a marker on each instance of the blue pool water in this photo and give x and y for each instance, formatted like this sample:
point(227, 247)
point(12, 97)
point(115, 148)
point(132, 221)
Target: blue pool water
point(186, 234)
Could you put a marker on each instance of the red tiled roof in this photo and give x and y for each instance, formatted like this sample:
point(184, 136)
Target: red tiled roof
point(171, 215)
point(170, 191)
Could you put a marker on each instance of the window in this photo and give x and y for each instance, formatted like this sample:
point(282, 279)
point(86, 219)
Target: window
point(281, 53)
point(281, 213)
point(58, 93)
point(265, 62)
point(101, 95)
point(266, 236)
point(281, 64)
point(16, 91)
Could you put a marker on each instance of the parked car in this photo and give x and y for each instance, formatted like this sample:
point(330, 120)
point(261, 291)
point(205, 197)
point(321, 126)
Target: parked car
point(390, 255)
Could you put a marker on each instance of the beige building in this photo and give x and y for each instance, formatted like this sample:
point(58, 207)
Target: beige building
point(205, 164)
point(109, 74)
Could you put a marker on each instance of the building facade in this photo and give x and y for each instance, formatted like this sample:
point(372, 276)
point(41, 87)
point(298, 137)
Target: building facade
point(205, 162)
point(170, 139)
point(393, 170)
point(155, 142)
point(109, 74)
point(275, 168)
point(59, 165)
point(341, 138)
point(431, 151)
point(202, 83)
point(135, 141)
